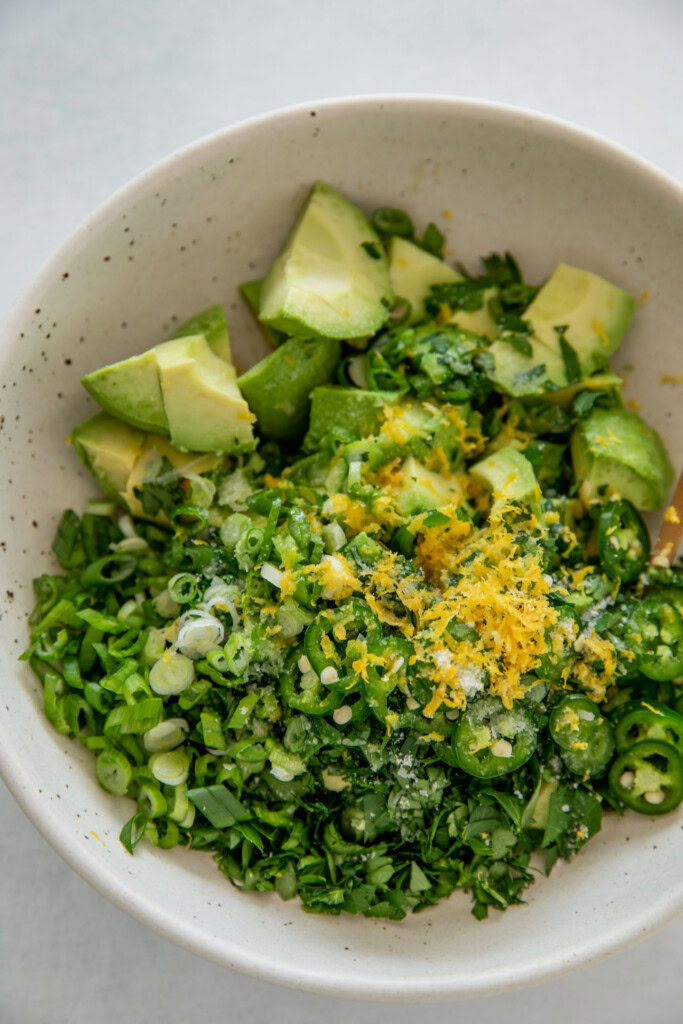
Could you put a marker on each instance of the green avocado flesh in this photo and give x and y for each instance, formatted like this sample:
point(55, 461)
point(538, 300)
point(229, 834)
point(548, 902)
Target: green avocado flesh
point(130, 390)
point(423, 489)
point(123, 458)
point(109, 450)
point(331, 280)
point(616, 454)
point(184, 388)
point(577, 321)
point(414, 271)
point(355, 412)
point(206, 412)
point(278, 388)
point(508, 474)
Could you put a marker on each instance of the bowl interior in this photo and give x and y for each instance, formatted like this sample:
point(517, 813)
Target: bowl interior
point(182, 237)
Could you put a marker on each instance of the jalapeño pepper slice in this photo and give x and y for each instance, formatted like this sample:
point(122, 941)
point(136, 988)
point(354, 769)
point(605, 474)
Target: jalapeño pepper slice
point(304, 691)
point(584, 735)
point(490, 740)
point(378, 682)
point(642, 720)
point(560, 640)
point(347, 621)
point(654, 632)
point(623, 541)
point(648, 777)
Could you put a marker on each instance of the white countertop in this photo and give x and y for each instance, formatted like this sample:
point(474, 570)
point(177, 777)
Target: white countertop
point(94, 92)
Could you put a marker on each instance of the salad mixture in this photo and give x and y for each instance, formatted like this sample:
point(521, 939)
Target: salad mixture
point(377, 619)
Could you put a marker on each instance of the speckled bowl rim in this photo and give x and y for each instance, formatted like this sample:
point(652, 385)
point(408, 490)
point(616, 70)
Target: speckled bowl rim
point(65, 842)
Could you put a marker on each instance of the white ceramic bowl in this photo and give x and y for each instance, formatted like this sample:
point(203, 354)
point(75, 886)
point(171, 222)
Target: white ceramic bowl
point(181, 237)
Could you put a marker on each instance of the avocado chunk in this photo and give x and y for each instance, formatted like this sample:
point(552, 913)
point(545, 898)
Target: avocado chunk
point(595, 313)
point(616, 454)
point(577, 321)
point(205, 410)
point(352, 412)
point(524, 373)
point(109, 449)
point(148, 464)
point(423, 489)
point(131, 391)
point(414, 271)
point(212, 324)
point(509, 475)
point(278, 387)
point(331, 280)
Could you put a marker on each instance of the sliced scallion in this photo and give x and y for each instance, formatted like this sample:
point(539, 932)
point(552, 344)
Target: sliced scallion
point(172, 673)
point(171, 767)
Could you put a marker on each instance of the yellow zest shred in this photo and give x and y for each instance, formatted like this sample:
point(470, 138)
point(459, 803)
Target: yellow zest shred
point(602, 334)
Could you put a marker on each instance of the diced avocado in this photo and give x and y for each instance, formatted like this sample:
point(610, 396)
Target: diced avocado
point(212, 324)
point(131, 391)
point(423, 489)
point(577, 320)
point(520, 374)
point(351, 411)
point(508, 474)
point(251, 293)
point(206, 412)
point(414, 271)
point(478, 321)
point(616, 454)
point(109, 449)
point(596, 315)
point(278, 388)
point(148, 463)
point(331, 280)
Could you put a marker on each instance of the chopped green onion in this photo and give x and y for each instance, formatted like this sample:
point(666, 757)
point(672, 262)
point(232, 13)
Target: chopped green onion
point(94, 507)
point(179, 807)
point(192, 519)
point(114, 772)
point(151, 801)
point(216, 659)
point(292, 618)
point(199, 633)
point(233, 528)
point(135, 718)
point(109, 570)
point(219, 805)
point(238, 651)
point(172, 673)
point(171, 767)
point(165, 605)
point(168, 834)
point(104, 623)
point(66, 539)
point(182, 588)
point(212, 731)
point(155, 645)
point(389, 221)
point(334, 537)
point(166, 735)
point(127, 644)
point(133, 831)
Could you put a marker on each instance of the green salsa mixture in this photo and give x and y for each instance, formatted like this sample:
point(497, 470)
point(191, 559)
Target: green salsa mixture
point(377, 619)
